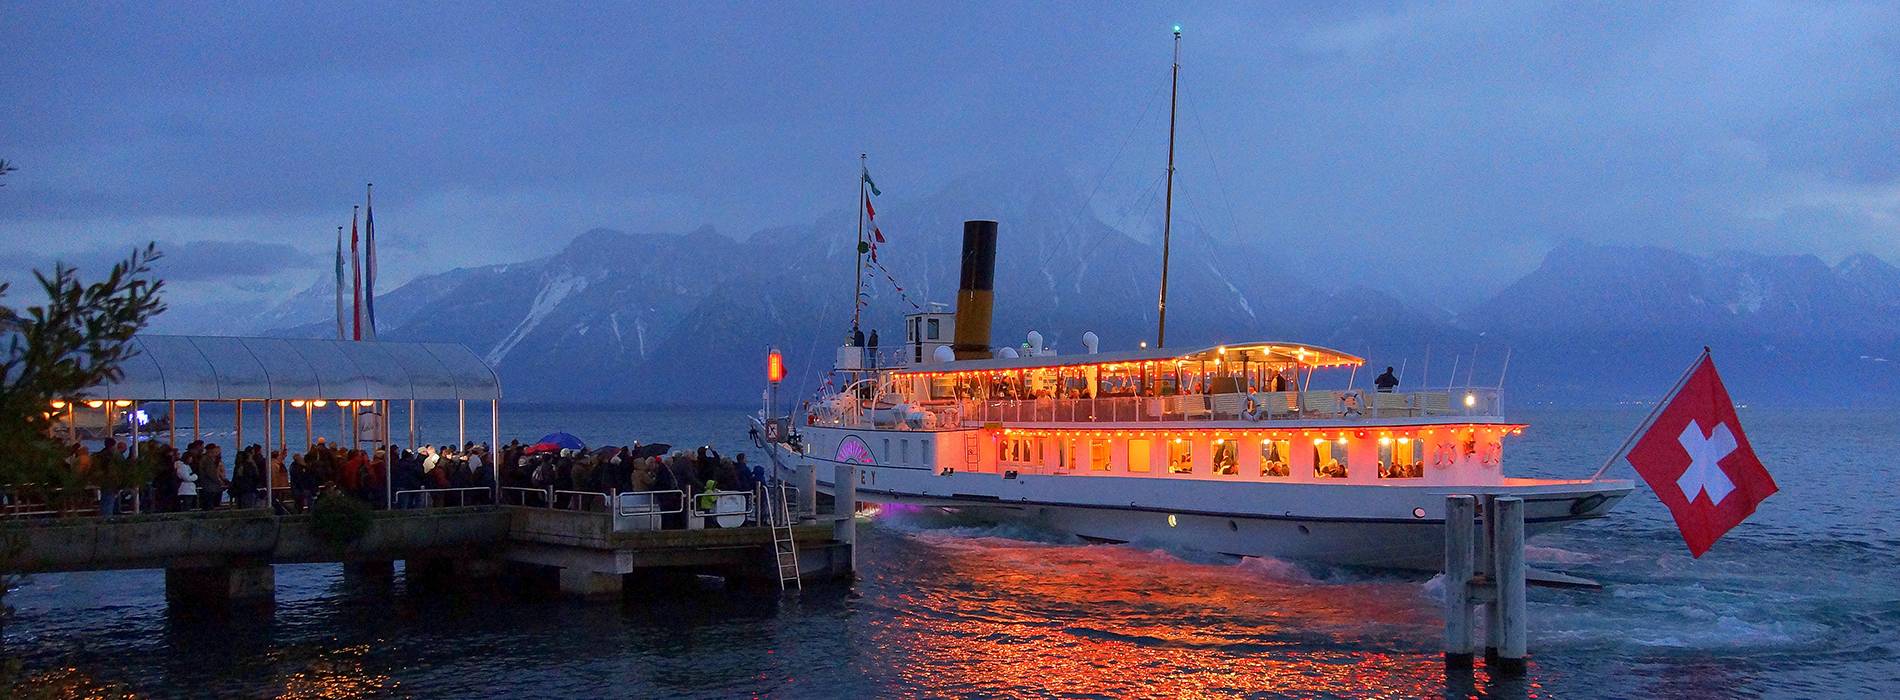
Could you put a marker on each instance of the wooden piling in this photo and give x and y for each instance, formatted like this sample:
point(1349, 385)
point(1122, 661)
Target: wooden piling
point(1459, 531)
point(1487, 565)
point(1509, 575)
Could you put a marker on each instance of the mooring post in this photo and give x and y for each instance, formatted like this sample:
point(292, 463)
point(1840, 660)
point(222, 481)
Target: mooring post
point(1509, 550)
point(807, 491)
point(1459, 531)
point(844, 497)
point(1487, 566)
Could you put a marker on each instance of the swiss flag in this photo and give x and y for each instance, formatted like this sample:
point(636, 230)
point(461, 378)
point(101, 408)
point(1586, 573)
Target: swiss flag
point(1699, 463)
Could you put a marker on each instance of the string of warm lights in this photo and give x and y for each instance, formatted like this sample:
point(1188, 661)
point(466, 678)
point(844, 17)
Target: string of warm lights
point(1385, 435)
point(59, 405)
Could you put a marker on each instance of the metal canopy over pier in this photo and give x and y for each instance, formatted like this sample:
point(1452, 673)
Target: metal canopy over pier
point(298, 375)
point(214, 368)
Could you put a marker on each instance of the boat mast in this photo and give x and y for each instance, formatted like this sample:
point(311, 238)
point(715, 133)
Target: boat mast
point(857, 290)
point(1167, 207)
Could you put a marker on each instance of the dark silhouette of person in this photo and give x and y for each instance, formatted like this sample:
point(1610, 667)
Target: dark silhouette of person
point(1386, 382)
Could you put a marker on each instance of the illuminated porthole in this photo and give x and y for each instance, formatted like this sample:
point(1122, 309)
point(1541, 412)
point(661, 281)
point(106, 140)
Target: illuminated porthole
point(1418, 512)
point(1171, 521)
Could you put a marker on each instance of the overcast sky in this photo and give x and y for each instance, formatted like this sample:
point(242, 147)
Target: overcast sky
point(1468, 138)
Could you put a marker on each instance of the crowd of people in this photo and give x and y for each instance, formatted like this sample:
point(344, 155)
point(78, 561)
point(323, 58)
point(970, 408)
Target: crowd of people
point(161, 478)
point(626, 468)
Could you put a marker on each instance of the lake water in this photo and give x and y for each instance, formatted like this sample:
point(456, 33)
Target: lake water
point(1801, 601)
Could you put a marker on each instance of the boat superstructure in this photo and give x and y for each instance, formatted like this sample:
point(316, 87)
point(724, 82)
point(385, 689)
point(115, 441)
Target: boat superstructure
point(1227, 448)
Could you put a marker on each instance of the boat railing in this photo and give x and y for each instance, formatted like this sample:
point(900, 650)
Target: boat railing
point(1269, 406)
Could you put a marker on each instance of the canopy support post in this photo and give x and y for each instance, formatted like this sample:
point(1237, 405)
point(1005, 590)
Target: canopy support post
point(494, 448)
point(461, 423)
point(171, 414)
point(270, 465)
point(196, 435)
point(412, 425)
point(309, 426)
point(389, 462)
point(237, 444)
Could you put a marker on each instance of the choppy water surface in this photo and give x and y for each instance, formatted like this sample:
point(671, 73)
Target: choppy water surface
point(1803, 601)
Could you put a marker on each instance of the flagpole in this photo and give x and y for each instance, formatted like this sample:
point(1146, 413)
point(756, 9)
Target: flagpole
point(369, 256)
point(1643, 427)
point(857, 290)
point(1167, 208)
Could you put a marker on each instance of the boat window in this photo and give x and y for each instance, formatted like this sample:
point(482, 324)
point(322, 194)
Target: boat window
point(1329, 459)
point(1098, 455)
point(1138, 455)
point(1180, 456)
point(932, 329)
point(1062, 453)
point(1019, 450)
point(1274, 455)
point(903, 452)
point(1398, 459)
point(1226, 456)
point(887, 450)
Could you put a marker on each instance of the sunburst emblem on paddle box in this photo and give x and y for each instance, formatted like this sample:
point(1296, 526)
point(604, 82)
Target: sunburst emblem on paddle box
point(852, 449)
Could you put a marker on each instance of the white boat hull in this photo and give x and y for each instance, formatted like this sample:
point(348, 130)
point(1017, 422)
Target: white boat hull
point(1379, 526)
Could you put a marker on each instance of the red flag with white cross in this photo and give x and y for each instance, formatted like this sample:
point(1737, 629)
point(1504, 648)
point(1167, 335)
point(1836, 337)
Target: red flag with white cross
point(1698, 461)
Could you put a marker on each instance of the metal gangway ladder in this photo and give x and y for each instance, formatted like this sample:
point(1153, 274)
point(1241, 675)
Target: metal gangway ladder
point(778, 515)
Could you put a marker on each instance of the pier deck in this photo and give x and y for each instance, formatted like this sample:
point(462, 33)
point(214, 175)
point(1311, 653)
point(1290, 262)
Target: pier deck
point(226, 555)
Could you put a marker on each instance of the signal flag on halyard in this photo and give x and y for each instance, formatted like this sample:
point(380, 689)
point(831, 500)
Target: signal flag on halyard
point(342, 316)
point(1697, 460)
point(870, 214)
point(369, 264)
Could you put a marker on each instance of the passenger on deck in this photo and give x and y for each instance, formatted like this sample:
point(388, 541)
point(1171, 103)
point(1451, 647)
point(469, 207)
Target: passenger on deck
point(1254, 410)
point(1386, 382)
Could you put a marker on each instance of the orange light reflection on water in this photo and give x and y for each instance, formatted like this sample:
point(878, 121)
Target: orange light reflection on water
point(1117, 621)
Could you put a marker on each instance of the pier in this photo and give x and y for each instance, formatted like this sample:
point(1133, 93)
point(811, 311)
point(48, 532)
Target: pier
point(226, 557)
point(589, 541)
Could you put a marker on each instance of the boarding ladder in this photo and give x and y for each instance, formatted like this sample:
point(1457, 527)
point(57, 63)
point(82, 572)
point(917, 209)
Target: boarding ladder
point(778, 515)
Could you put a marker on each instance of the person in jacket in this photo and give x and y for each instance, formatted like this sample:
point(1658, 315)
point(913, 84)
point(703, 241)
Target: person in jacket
point(211, 480)
point(303, 483)
point(187, 484)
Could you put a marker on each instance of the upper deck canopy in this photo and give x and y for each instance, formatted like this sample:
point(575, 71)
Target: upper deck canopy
point(1269, 353)
point(220, 368)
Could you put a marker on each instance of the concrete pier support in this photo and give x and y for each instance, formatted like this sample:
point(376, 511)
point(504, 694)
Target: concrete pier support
point(204, 587)
point(591, 585)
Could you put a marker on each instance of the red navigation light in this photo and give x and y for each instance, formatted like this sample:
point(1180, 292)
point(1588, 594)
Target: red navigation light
point(774, 367)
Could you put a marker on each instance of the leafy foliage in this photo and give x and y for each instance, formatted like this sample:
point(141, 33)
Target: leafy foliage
point(339, 518)
point(78, 339)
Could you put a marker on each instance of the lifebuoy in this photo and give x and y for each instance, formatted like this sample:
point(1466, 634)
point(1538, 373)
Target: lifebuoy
point(1444, 455)
point(1490, 454)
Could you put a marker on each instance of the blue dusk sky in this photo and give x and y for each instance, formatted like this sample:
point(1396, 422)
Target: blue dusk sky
point(1466, 136)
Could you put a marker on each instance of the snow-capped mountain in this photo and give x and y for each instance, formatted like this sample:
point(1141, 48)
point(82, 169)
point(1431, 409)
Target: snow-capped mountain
point(686, 318)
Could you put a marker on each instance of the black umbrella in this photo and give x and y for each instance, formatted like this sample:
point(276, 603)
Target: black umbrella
point(652, 450)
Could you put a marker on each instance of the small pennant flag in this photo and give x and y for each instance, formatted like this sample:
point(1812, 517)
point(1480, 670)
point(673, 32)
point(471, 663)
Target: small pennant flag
point(868, 182)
